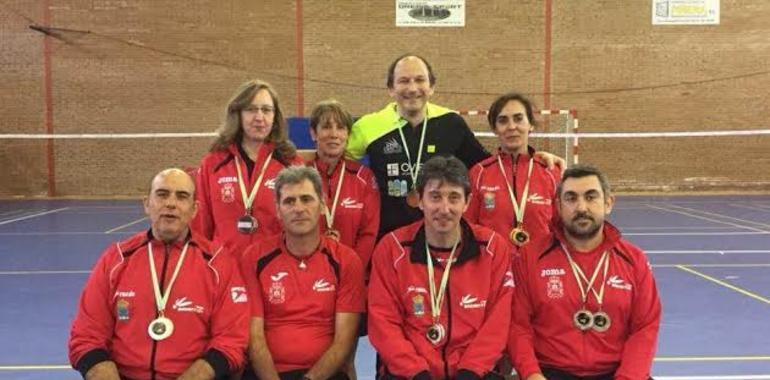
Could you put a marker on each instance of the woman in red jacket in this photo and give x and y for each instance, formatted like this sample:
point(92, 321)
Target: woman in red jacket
point(236, 178)
point(513, 191)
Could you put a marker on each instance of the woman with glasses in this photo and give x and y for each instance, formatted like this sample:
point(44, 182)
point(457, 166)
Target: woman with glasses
point(236, 178)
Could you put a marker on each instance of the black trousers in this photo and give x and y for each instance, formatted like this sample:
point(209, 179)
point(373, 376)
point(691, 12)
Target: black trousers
point(556, 374)
point(292, 375)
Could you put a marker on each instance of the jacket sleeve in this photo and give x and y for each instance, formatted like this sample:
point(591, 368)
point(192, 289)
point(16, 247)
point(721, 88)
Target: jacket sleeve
point(470, 151)
point(229, 318)
point(639, 349)
point(203, 223)
point(386, 316)
point(521, 348)
point(356, 148)
point(351, 296)
point(367, 232)
point(488, 345)
point(472, 213)
point(94, 321)
point(248, 266)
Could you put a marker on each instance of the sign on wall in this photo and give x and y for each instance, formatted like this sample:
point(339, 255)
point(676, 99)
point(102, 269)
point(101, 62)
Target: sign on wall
point(685, 12)
point(425, 13)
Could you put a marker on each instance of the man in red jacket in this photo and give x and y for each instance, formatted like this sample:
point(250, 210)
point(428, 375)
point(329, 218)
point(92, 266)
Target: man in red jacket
point(163, 304)
point(440, 289)
point(586, 304)
point(307, 289)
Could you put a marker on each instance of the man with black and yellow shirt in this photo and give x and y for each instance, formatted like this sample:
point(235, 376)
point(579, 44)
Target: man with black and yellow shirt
point(407, 132)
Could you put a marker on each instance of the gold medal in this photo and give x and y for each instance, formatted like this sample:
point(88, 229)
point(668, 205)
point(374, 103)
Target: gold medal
point(247, 224)
point(436, 333)
point(519, 237)
point(413, 199)
point(160, 328)
point(602, 321)
point(334, 234)
point(583, 319)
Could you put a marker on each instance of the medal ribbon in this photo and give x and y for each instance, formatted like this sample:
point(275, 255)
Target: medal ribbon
point(518, 207)
point(330, 216)
point(248, 201)
point(581, 277)
point(414, 169)
point(162, 300)
point(437, 299)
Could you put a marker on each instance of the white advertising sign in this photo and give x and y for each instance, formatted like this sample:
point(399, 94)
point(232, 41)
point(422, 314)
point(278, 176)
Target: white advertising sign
point(685, 12)
point(427, 13)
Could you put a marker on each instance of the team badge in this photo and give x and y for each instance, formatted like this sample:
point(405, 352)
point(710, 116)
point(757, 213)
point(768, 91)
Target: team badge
point(555, 287)
point(122, 310)
point(418, 305)
point(489, 201)
point(228, 193)
point(277, 293)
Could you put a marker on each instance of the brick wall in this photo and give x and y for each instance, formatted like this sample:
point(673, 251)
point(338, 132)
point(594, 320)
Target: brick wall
point(156, 66)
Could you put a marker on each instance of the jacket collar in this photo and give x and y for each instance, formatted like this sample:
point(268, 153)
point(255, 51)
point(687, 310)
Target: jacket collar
point(469, 246)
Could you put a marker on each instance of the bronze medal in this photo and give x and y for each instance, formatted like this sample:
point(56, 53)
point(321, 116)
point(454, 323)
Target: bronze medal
point(602, 321)
point(247, 224)
point(334, 234)
point(519, 237)
point(583, 320)
point(413, 199)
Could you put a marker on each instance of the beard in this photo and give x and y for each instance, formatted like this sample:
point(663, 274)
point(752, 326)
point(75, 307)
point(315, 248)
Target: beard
point(577, 231)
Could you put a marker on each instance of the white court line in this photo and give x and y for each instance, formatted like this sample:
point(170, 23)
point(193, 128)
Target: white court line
point(54, 233)
point(703, 218)
point(711, 251)
point(666, 228)
point(26, 272)
point(748, 207)
point(32, 216)
point(32, 367)
point(715, 377)
point(125, 225)
point(756, 232)
point(751, 222)
point(712, 265)
point(16, 212)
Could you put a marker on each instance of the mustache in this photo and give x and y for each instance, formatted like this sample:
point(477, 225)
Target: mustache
point(582, 215)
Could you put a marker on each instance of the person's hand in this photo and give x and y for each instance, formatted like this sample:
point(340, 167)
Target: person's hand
point(536, 376)
point(106, 370)
point(552, 160)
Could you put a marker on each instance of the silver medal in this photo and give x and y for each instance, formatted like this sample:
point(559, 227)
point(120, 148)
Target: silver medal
point(602, 321)
point(160, 328)
point(583, 320)
point(436, 333)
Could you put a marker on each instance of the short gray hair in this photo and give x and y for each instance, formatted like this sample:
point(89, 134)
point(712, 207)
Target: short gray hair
point(296, 174)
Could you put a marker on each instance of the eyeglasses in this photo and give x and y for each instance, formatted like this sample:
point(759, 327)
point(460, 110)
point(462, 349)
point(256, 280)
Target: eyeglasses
point(266, 110)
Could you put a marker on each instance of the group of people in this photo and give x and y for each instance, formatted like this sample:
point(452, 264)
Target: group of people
point(276, 265)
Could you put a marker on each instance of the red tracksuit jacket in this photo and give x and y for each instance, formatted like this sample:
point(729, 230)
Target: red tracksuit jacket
point(220, 203)
point(475, 313)
point(542, 330)
point(358, 207)
point(491, 205)
point(208, 306)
